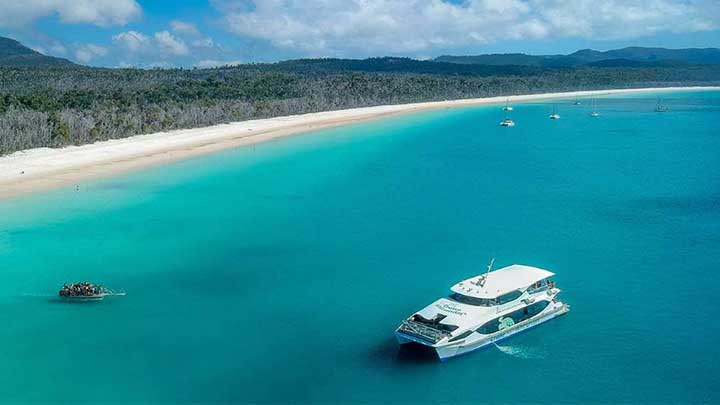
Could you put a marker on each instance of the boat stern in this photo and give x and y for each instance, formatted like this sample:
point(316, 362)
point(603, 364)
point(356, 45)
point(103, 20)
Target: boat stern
point(411, 331)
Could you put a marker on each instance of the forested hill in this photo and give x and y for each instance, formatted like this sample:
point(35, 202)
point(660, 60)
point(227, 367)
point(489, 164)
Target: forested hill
point(389, 65)
point(57, 105)
point(631, 56)
point(14, 54)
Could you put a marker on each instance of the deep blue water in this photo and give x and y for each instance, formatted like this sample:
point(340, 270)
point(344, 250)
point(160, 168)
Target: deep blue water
point(277, 273)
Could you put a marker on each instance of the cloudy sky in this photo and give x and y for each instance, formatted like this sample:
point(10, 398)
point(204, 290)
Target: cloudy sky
point(149, 33)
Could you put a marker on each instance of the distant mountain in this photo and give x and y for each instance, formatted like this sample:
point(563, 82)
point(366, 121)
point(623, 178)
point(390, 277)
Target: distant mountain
point(699, 56)
point(622, 62)
point(628, 57)
point(14, 54)
point(501, 59)
point(389, 65)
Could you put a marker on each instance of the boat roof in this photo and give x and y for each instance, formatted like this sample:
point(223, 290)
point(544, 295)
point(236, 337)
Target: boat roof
point(501, 281)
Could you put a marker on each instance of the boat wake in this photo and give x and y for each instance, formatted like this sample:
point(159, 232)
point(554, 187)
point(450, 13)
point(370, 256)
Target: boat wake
point(36, 295)
point(521, 352)
point(108, 293)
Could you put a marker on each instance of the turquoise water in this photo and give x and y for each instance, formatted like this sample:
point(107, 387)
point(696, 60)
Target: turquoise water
point(277, 273)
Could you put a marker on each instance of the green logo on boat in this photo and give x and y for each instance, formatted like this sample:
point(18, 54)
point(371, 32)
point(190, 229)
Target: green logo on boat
point(505, 322)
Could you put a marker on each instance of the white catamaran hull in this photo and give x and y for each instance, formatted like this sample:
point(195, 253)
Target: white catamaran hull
point(447, 351)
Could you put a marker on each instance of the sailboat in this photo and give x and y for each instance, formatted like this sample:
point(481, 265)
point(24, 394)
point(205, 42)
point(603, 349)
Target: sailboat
point(577, 100)
point(507, 122)
point(507, 107)
point(554, 115)
point(593, 108)
point(661, 108)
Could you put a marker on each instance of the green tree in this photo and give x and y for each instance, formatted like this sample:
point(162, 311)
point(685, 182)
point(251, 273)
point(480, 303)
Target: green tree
point(94, 133)
point(59, 129)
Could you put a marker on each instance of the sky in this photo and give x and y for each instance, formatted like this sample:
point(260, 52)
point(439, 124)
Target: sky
point(205, 33)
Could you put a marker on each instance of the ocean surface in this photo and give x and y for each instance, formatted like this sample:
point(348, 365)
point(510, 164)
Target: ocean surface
point(278, 273)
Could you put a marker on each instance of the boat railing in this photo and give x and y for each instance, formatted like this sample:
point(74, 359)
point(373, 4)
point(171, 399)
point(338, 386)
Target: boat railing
point(423, 331)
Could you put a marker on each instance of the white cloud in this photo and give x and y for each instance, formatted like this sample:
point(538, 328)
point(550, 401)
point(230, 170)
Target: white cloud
point(184, 28)
point(18, 13)
point(171, 44)
point(50, 47)
point(133, 41)
point(135, 48)
point(162, 64)
point(617, 19)
point(58, 49)
point(391, 26)
point(87, 52)
point(203, 43)
point(209, 63)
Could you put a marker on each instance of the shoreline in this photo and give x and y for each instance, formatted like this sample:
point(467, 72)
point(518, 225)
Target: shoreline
point(42, 169)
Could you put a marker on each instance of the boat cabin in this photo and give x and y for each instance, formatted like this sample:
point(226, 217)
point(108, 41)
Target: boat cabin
point(501, 286)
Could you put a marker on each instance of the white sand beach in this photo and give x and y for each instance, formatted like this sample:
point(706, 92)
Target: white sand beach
point(45, 168)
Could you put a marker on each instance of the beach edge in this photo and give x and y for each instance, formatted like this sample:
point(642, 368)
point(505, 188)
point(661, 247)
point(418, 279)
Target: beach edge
point(45, 169)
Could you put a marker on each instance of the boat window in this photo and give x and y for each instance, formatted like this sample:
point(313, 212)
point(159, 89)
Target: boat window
point(478, 302)
point(421, 319)
point(511, 296)
point(512, 318)
point(461, 336)
point(486, 302)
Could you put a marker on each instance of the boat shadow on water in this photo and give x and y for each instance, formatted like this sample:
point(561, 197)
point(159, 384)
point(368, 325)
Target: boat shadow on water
point(84, 302)
point(408, 354)
point(414, 353)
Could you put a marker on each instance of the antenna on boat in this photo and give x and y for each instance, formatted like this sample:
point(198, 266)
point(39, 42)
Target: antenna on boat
point(481, 280)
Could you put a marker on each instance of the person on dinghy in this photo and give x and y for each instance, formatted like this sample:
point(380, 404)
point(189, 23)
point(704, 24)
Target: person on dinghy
point(83, 289)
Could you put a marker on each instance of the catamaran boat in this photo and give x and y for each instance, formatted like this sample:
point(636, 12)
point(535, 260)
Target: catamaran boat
point(593, 108)
point(483, 310)
point(660, 107)
point(507, 107)
point(507, 122)
point(554, 115)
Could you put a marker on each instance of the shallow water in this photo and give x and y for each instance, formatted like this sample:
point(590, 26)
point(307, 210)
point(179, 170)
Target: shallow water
point(277, 273)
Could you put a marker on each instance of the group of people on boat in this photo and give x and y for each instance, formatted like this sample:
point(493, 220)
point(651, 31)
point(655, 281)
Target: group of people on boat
point(80, 290)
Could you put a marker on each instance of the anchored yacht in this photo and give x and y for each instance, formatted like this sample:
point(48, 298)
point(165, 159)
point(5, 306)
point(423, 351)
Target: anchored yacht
point(593, 108)
point(483, 310)
point(554, 115)
point(507, 107)
point(660, 107)
point(507, 122)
